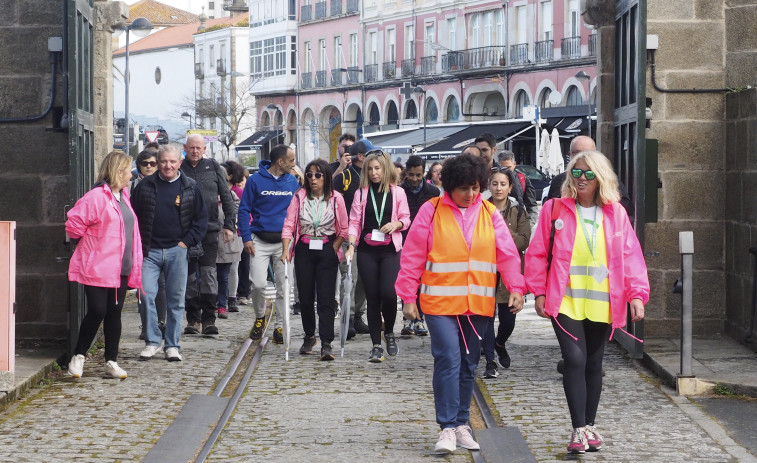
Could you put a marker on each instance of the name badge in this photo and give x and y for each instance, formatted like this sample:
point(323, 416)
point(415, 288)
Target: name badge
point(599, 273)
point(378, 235)
point(316, 244)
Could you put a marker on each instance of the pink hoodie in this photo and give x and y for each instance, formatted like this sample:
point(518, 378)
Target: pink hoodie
point(400, 212)
point(292, 220)
point(625, 260)
point(96, 219)
point(421, 239)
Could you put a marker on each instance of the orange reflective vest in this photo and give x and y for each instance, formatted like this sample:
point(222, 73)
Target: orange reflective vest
point(458, 280)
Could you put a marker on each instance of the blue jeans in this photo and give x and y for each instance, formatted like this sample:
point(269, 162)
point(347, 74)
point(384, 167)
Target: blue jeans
point(173, 263)
point(454, 369)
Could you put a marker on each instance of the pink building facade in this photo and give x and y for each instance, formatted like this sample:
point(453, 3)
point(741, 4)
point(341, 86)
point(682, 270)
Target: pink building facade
point(467, 62)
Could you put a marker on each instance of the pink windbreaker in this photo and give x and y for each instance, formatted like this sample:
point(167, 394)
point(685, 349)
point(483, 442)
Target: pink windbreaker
point(293, 218)
point(421, 239)
point(97, 220)
point(625, 260)
point(400, 212)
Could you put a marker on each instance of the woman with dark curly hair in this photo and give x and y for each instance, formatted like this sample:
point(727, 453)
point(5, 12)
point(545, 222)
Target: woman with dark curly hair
point(453, 251)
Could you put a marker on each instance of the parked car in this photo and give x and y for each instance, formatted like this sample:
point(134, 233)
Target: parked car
point(539, 180)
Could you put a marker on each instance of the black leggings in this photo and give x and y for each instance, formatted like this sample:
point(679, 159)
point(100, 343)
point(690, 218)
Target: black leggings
point(582, 377)
point(378, 271)
point(316, 273)
point(505, 329)
point(103, 305)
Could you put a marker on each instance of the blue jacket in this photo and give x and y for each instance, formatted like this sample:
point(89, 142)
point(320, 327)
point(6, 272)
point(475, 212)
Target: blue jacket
point(266, 199)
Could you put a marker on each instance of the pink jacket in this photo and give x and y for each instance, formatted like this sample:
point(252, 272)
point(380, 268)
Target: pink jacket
point(97, 220)
point(625, 260)
point(400, 212)
point(421, 239)
point(292, 220)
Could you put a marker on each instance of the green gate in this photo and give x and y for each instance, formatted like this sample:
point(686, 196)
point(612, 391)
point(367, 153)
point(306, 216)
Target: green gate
point(81, 140)
point(629, 117)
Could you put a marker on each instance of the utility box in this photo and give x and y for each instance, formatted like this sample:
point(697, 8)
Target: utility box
point(7, 305)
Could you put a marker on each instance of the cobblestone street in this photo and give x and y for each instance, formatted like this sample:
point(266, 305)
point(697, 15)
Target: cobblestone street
point(346, 410)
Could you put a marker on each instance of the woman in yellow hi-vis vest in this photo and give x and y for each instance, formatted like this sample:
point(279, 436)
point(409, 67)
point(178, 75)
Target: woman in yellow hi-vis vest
point(453, 251)
point(583, 265)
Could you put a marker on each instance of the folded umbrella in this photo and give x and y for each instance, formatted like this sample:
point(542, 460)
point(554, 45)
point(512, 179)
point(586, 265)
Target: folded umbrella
point(286, 327)
point(344, 321)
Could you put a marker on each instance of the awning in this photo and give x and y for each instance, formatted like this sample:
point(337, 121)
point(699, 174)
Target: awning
point(455, 143)
point(415, 137)
point(571, 119)
point(259, 138)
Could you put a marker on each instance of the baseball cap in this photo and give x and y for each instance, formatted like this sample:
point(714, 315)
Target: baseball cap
point(362, 147)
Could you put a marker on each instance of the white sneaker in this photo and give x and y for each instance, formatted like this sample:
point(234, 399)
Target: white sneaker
point(76, 366)
point(447, 442)
point(465, 438)
point(112, 369)
point(149, 352)
point(242, 301)
point(173, 355)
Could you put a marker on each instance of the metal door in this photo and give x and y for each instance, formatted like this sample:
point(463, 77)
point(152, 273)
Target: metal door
point(630, 93)
point(80, 56)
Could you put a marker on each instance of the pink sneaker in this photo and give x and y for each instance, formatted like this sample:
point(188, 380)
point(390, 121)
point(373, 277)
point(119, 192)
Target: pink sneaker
point(594, 439)
point(578, 442)
point(222, 313)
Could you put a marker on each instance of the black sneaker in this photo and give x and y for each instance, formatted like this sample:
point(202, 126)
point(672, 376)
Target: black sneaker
point(257, 329)
point(278, 336)
point(351, 333)
point(296, 308)
point(360, 326)
point(377, 354)
point(504, 357)
point(491, 370)
point(391, 344)
point(209, 328)
point(326, 353)
point(233, 305)
point(307, 345)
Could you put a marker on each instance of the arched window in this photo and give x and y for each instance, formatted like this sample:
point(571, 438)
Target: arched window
point(392, 115)
point(521, 100)
point(453, 110)
point(544, 98)
point(374, 117)
point(573, 97)
point(412, 111)
point(432, 111)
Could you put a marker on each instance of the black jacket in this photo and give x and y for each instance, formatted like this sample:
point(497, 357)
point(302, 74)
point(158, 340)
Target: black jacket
point(193, 213)
point(211, 178)
point(415, 201)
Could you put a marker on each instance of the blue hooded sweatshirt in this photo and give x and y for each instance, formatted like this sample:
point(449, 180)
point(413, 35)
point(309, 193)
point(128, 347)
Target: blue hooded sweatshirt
point(265, 198)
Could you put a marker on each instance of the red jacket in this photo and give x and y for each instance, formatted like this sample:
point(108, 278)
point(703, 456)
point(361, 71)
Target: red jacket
point(96, 219)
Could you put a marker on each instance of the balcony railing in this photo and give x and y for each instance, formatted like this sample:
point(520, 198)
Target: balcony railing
point(593, 45)
point(220, 106)
point(390, 69)
point(353, 74)
point(307, 80)
point(370, 71)
point(518, 54)
point(336, 77)
point(571, 47)
point(428, 65)
point(336, 7)
point(221, 67)
point(543, 51)
point(408, 67)
point(320, 78)
point(352, 6)
point(452, 61)
point(199, 70)
point(306, 13)
point(320, 10)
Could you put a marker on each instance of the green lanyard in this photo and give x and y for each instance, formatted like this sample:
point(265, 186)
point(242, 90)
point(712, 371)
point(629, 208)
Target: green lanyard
point(375, 209)
point(315, 213)
point(593, 241)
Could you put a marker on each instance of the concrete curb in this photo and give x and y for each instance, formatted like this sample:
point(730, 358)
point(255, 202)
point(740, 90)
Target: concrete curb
point(25, 384)
point(695, 387)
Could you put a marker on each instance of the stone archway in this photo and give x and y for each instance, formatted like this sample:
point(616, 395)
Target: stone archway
point(329, 131)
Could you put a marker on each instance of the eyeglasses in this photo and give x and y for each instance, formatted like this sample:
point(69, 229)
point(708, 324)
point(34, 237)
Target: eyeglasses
point(589, 174)
point(317, 175)
point(148, 163)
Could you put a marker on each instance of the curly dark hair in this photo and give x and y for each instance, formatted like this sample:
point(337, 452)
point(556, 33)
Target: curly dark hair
point(464, 170)
point(323, 167)
point(235, 170)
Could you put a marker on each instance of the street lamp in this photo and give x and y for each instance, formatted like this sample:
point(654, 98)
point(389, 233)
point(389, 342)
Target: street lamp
point(141, 28)
point(186, 114)
point(581, 75)
point(419, 90)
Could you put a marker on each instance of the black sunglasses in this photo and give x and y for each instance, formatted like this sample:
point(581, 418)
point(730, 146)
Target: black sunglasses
point(317, 175)
point(589, 174)
point(148, 163)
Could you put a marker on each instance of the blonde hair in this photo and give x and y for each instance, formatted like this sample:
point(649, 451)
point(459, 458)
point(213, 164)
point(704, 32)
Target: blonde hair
point(387, 166)
point(114, 162)
point(607, 191)
point(298, 175)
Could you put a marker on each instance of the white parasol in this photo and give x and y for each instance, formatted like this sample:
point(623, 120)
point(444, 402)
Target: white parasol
point(555, 162)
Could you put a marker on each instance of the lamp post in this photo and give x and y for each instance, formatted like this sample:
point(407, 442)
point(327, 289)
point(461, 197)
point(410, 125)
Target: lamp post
point(141, 28)
point(186, 114)
point(581, 75)
point(420, 91)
